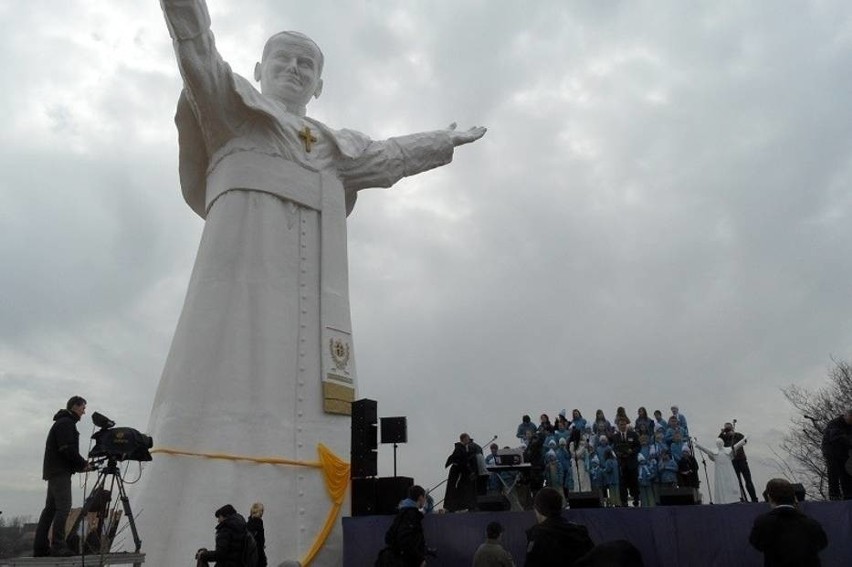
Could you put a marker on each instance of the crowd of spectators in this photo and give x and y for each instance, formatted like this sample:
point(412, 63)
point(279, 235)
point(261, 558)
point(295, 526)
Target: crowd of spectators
point(623, 460)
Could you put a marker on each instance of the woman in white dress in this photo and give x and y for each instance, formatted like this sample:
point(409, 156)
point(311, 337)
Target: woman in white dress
point(580, 464)
point(725, 478)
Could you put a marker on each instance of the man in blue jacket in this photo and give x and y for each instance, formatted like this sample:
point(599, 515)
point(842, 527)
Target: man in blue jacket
point(61, 459)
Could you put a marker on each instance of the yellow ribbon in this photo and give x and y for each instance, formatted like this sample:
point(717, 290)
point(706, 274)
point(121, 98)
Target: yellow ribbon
point(335, 472)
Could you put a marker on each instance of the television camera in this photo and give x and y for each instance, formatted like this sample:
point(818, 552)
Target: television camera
point(112, 445)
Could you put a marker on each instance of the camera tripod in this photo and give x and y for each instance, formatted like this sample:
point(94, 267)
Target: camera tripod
point(110, 469)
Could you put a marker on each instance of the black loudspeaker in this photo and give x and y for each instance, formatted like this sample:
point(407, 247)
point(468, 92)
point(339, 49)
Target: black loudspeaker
point(363, 496)
point(678, 496)
point(364, 438)
point(394, 430)
point(799, 490)
point(390, 491)
point(590, 499)
point(492, 503)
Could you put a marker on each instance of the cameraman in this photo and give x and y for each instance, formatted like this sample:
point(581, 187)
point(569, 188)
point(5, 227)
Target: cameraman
point(739, 460)
point(61, 460)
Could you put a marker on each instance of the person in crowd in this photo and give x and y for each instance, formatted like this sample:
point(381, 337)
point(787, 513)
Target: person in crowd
point(687, 470)
point(725, 479)
point(565, 460)
point(644, 425)
point(656, 447)
point(534, 455)
point(596, 475)
point(230, 540)
point(494, 484)
point(644, 445)
point(837, 450)
point(578, 422)
point(674, 437)
point(647, 478)
point(544, 425)
point(681, 420)
point(562, 431)
point(61, 460)
point(405, 541)
point(730, 437)
point(461, 483)
point(620, 413)
point(626, 446)
point(525, 425)
point(254, 525)
point(553, 540)
point(602, 447)
point(601, 426)
point(784, 535)
point(491, 553)
point(580, 457)
point(611, 477)
point(554, 476)
point(667, 470)
point(550, 448)
point(659, 421)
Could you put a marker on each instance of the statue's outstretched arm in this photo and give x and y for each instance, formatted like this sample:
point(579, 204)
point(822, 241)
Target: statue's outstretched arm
point(465, 136)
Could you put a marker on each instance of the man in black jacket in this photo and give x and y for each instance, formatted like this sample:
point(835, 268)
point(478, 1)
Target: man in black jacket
point(61, 459)
point(837, 450)
point(554, 540)
point(785, 536)
point(730, 438)
point(230, 540)
point(406, 544)
point(626, 445)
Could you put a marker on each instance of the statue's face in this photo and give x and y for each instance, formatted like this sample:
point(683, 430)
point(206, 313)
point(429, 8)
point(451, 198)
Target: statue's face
point(290, 70)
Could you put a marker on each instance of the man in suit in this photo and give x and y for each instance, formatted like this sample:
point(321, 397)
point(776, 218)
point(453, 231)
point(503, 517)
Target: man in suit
point(784, 535)
point(626, 445)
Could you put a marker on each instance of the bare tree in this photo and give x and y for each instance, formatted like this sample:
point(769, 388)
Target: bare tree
point(816, 408)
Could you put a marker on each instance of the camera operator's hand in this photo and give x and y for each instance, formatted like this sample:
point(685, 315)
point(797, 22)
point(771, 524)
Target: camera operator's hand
point(88, 467)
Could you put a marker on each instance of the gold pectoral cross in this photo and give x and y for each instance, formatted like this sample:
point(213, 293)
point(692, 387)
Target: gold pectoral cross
point(308, 138)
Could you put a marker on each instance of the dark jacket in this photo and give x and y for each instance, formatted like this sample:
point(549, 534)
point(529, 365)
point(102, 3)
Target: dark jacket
point(732, 438)
point(62, 448)
point(836, 439)
point(788, 538)
point(255, 527)
point(627, 450)
point(405, 536)
point(557, 542)
point(230, 541)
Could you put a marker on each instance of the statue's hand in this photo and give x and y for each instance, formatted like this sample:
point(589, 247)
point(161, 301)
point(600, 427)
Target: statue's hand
point(466, 136)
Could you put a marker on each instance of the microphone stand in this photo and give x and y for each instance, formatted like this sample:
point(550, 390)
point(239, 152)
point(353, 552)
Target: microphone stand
point(706, 476)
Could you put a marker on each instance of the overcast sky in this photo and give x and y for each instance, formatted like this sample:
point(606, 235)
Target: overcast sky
point(659, 213)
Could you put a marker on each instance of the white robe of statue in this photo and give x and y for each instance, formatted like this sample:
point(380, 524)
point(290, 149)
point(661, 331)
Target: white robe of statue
point(726, 487)
point(263, 344)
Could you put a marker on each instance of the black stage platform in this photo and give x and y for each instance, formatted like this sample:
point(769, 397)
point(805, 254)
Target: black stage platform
point(668, 536)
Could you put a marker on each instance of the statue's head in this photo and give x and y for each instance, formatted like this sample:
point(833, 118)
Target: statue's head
point(290, 69)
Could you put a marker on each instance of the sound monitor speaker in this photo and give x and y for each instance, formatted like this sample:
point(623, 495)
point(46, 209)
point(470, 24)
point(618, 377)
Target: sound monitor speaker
point(364, 463)
point(677, 496)
point(390, 491)
point(394, 430)
point(799, 490)
point(492, 503)
point(364, 438)
point(590, 499)
point(363, 496)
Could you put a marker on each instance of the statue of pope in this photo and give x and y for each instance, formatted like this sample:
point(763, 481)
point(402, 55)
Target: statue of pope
point(262, 362)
